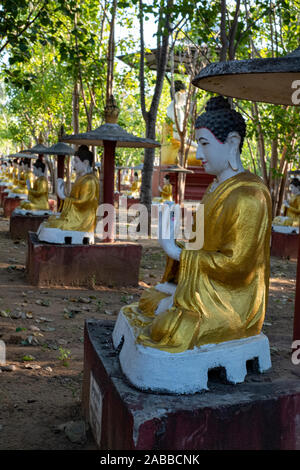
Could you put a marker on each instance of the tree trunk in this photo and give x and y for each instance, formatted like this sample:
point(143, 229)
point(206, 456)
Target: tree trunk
point(151, 115)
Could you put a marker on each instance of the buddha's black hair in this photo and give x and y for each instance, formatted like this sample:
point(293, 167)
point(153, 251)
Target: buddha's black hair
point(220, 119)
point(40, 164)
point(295, 182)
point(178, 85)
point(167, 177)
point(26, 161)
point(85, 154)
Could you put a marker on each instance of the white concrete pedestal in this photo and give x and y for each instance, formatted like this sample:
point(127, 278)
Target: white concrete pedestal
point(187, 372)
point(64, 237)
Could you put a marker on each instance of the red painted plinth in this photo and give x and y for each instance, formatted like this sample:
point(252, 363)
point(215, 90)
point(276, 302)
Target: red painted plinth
point(10, 204)
point(3, 196)
point(250, 416)
point(20, 225)
point(110, 264)
point(285, 245)
point(130, 201)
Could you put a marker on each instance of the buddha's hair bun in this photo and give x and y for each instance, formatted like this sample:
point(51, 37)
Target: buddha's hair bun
point(220, 119)
point(217, 103)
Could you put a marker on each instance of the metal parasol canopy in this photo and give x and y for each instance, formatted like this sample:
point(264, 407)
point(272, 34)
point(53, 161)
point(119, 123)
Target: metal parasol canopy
point(265, 80)
point(39, 149)
point(21, 155)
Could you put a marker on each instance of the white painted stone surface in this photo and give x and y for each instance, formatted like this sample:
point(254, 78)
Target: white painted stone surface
point(16, 195)
point(19, 211)
point(57, 236)
point(187, 372)
point(285, 229)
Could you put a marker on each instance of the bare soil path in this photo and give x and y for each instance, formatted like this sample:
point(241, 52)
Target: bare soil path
point(43, 333)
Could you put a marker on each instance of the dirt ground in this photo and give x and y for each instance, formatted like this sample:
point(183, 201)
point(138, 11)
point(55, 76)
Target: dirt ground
point(43, 332)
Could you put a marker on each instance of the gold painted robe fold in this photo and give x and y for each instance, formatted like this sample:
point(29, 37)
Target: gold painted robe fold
point(222, 289)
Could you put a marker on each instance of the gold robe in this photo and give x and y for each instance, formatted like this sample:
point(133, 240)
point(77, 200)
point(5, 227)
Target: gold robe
point(37, 196)
point(79, 209)
point(21, 188)
point(167, 193)
point(222, 289)
point(294, 210)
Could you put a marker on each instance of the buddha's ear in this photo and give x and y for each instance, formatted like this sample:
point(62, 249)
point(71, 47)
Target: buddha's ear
point(233, 140)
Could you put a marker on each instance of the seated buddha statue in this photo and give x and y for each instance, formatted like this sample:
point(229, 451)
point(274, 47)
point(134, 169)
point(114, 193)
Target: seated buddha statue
point(219, 292)
point(25, 174)
point(38, 194)
point(291, 208)
point(134, 191)
point(166, 192)
point(78, 214)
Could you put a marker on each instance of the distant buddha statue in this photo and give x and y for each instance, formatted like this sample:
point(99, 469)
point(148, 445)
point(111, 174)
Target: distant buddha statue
point(38, 194)
point(6, 172)
point(25, 174)
point(15, 172)
point(217, 293)
point(291, 208)
point(166, 192)
point(78, 215)
point(170, 143)
point(134, 191)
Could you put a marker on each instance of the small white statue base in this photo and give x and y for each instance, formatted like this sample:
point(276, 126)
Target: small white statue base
point(187, 372)
point(64, 237)
point(17, 195)
point(39, 213)
point(285, 229)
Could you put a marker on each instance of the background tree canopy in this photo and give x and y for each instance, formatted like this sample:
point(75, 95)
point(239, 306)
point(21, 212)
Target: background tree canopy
point(53, 68)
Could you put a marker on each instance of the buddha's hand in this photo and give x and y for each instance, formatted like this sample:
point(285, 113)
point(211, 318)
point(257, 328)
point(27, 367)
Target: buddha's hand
point(286, 204)
point(61, 188)
point(166, 232)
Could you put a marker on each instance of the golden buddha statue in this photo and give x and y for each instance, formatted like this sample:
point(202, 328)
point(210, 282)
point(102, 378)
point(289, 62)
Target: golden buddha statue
point(134, 191)
point(15, 172)
point(217, 293)
point(24, 174)
point(80, 207)
point(166, 192)
point(38, 194)
point(291, 207)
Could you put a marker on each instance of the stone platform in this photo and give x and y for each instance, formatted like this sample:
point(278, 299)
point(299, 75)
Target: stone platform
point(10, 204)
point(110, 264)
point(284, 245)
point(20, 225)
point(148, 369)
point(255, 415)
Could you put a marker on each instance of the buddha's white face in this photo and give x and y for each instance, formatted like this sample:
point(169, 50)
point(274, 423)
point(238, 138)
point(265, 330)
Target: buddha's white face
point(37, 171)
point(79, 166)
point(213, 153)
point(294, 189)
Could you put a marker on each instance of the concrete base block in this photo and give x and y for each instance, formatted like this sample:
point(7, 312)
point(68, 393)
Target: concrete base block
point(10, 204)
point(187, 372)
point(110, 264)
point(254, 415)
point(285, 245)
point(21, 224)
point(63, 237)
